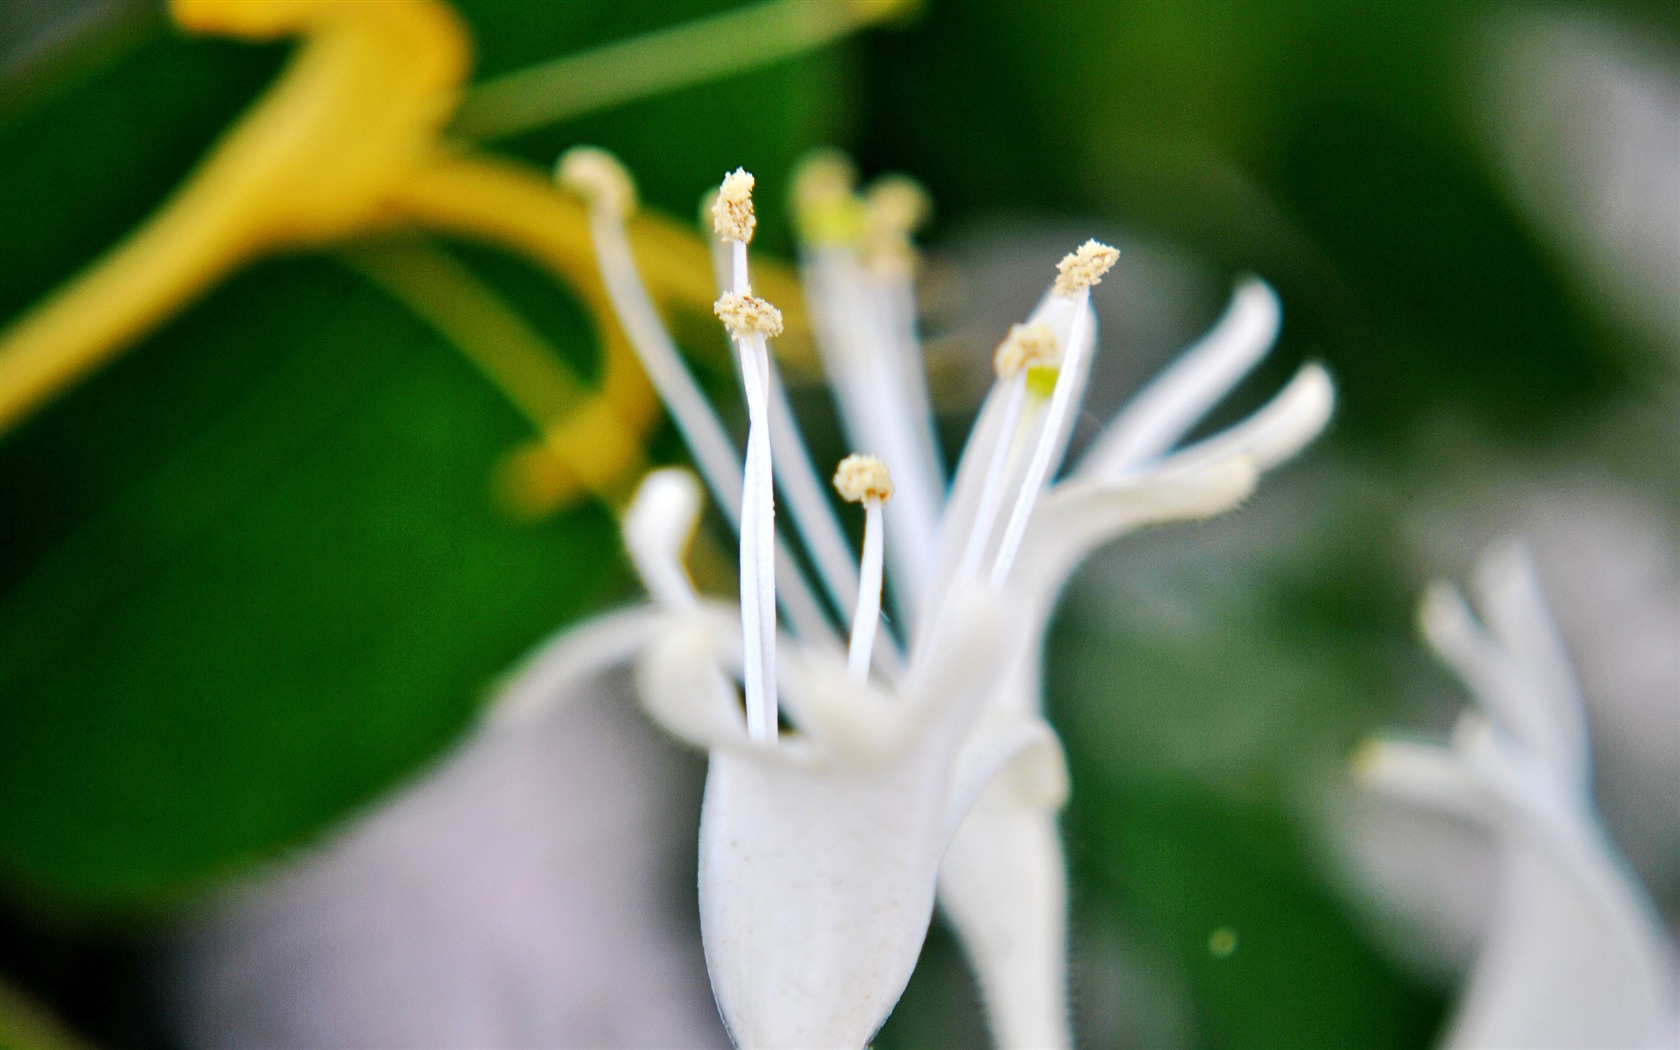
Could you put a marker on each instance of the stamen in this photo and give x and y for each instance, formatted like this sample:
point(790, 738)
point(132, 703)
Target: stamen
point(702, 431)
point(1084, 267)
point(864, 479)
point(732, 211)
point(825, 206)
point(748, 315)
point(1026, 346)
point(896, 207)
point(860, 479)
point(858, 262)
point(750, 321)
point(1075, 275)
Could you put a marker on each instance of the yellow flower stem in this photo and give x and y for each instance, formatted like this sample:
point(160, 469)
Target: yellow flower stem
point(659, 61)
point(355, 109)
point(516, 360)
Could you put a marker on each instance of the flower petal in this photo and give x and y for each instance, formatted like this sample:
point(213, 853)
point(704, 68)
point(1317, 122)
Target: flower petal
point(1081, 515)
point(570, 659)
point(817, 882)
point(1515, 610)
point(1003, 886)
point(1283, 427)
point(1160, 414)
point(1574, 957)
point(684, 689)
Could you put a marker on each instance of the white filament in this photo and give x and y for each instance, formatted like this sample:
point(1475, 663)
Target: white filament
point(866, 620)
point(702, 431)
point(1050, 438)
point(796, 477)
point(991, 490)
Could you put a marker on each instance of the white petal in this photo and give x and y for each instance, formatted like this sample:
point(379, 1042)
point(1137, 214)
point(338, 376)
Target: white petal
point(1428, 872)
point(1079, 516)
point(1154, 420)
point(817, 883)
point(657, 529)
point(1274, 434)
point(568, 660)
point(1505, 689)
point(684, 689)
point(847, 721)
point(1575, 958)
point(1019, 753)
point(1516, 612)
point(1425, 775)
point(1002, 885)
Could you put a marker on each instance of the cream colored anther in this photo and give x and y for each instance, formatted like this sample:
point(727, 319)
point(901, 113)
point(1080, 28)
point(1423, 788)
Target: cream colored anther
point(1084, 267)
point(732, 213)
point(747, 315)
point(863, 479)
point(1026, 346)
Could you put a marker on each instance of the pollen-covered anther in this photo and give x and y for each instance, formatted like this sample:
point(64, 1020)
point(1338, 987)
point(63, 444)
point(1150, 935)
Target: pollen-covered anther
point(1084, 267)
point(863, 479)
point(898, 202)
point(1026, 346)
point(894, 208)
point(746, 315)
point(732, 212)
point(597, 177)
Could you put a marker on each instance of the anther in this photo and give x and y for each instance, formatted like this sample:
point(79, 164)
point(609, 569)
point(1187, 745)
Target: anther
point(732, 212)
point(1026, 346)
point(863, 479)
point(894, 208)
point(747, 315)
point(825, 206)
point(599, 178)
point(899, 203)
point(1084, 267)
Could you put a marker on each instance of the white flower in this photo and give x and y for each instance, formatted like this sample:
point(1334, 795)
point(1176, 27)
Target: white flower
point(822, 842)
point(1572, 953)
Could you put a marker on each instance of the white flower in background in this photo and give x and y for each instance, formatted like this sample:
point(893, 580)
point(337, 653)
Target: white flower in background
point(823, 841)
point(1572, 953)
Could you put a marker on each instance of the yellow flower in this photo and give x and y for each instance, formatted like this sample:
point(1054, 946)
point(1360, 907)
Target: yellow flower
point(350, 141)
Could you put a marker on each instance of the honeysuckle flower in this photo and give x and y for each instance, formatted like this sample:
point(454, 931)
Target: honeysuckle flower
point(1572, 953)
point(823, 841)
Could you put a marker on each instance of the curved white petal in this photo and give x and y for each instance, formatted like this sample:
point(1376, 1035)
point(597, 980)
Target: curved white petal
point(684, 689)
point(1283, 427)
point(568, 660)
point(1426, 775)
point(657, 529)
point(1160, 414)
point(1573, 958)
point(1509, 588)
point(847, 721)
point(1003, 886)
point(1500, 684)
point(1079, 516)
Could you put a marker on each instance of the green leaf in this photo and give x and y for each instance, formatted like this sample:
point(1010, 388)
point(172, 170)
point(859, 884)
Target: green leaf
point(259, 577)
